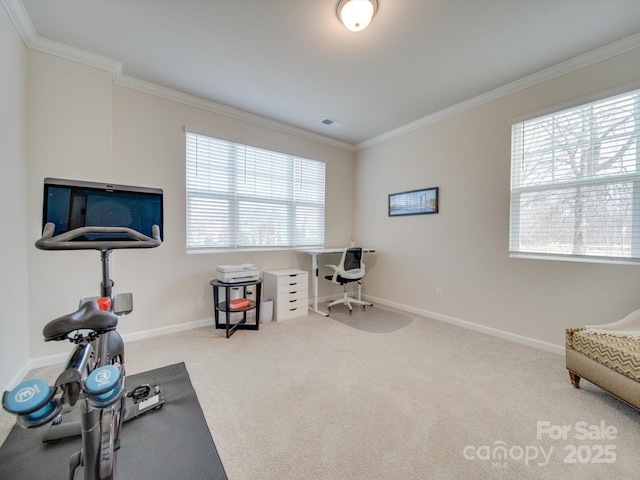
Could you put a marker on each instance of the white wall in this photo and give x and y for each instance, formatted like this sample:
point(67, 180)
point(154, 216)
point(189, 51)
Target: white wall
point(14, 307)
point(81, 126)
point(69, 136)
point(464, 248)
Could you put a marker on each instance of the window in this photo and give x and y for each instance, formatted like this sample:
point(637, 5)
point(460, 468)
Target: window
point(245, 197)
point(575, 183)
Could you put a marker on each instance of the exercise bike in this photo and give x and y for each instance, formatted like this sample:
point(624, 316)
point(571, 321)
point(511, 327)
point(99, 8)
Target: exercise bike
point(94, 375)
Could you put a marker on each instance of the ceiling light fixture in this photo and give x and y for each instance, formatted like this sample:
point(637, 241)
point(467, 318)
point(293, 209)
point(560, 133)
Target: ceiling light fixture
point(356, 14)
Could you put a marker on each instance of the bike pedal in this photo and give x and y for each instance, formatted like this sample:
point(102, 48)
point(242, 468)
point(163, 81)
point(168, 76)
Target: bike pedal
point(57, 420)
point(140, 393)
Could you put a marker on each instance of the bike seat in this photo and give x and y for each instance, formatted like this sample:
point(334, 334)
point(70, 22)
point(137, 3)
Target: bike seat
point(87, 317)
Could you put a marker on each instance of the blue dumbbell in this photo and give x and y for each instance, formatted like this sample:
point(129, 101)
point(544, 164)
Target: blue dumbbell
point(104, 386)
point(33, 401)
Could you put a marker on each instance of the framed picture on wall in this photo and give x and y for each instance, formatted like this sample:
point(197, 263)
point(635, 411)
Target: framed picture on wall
point(414, 202)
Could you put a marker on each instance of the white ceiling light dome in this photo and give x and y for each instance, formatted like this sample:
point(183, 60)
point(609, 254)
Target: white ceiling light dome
point(356, 14)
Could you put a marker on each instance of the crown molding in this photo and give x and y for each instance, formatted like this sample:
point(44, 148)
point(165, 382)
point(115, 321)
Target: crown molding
point(603, 53)
point(209, 105)
point(18, 15)
point(20, 18)
point(22, 22)
point(77, 55)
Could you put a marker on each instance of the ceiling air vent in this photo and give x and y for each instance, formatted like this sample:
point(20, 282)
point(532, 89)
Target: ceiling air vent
point(331, 123)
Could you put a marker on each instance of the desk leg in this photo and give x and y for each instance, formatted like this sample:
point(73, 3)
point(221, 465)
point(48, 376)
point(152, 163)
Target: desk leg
point(314, 276)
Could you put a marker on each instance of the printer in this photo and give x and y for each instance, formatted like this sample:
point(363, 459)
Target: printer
point(247, 272)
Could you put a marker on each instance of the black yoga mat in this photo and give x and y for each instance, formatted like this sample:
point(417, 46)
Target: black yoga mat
point(170, 443)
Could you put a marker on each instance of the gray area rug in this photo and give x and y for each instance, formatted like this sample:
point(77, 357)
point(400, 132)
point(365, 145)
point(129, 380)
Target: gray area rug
point(369, 319)
point(166, 444)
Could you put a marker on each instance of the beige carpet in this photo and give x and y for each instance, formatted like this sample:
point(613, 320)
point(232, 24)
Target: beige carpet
point(311, 398)
point(370, 319)
point(24, 457)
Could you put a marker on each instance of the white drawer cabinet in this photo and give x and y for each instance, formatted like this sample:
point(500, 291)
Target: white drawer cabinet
point(289, 290)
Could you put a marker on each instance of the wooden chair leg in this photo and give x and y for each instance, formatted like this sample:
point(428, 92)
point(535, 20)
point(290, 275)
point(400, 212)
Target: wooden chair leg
point(575, 379)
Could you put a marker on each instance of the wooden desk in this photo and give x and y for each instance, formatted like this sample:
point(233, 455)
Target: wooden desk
point(315, 252)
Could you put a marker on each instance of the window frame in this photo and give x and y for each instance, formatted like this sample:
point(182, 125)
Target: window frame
point(608, 180)
point(259, 194)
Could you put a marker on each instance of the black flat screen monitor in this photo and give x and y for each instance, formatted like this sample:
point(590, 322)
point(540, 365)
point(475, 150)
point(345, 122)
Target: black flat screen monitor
point(70, 204)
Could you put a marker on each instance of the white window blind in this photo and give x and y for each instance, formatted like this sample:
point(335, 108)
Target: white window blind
point(575, 183)
point(240, 196)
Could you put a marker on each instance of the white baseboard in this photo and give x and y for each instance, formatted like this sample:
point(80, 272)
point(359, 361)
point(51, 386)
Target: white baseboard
point(59, 358)
point(156, 332)
point(131, 337)
point(18, 377)
point(514, 337)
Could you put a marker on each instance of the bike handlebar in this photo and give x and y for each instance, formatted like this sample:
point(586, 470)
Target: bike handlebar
point(67, 240)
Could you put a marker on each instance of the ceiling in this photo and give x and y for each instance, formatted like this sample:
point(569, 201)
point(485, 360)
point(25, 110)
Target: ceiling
point(292, 61)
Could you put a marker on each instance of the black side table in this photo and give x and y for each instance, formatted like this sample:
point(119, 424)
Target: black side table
point(223, 306)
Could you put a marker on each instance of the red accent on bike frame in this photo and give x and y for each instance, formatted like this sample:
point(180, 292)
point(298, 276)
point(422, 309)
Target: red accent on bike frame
point(104, 303)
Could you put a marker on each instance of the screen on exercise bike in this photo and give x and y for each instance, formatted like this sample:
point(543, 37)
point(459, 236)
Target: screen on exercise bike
point(70, 204)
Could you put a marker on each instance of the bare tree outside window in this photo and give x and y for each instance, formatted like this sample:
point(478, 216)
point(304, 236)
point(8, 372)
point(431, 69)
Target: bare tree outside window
point(575, 187)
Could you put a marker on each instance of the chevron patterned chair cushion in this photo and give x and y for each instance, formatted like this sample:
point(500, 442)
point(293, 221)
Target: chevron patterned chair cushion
point(607, 356)
point(617, 352)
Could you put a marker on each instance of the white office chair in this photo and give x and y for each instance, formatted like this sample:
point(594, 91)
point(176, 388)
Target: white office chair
point(351, 269)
